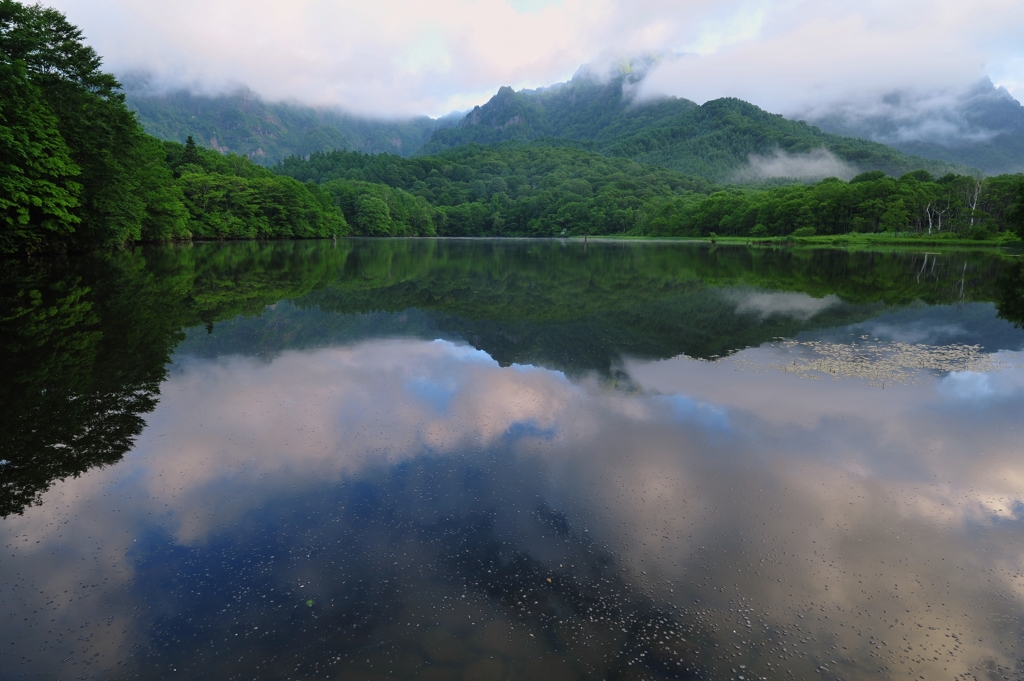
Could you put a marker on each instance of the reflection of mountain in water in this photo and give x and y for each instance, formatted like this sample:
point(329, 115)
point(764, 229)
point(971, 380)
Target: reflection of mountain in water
point(89, 340)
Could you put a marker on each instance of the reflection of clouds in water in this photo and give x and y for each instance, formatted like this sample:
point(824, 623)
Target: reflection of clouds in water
point(917, 332)
point(967, 385)
point(826, 500)
point(976, 386)
point(687, 410)
point(965, 324)
point(796, 305)
point(866, 497)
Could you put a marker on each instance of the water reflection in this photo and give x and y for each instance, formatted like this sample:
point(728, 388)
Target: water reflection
point(371, 496)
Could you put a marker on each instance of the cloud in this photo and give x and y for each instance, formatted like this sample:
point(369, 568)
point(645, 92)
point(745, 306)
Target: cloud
point(796, 305)
point(814, 165)
point(397, 57)
point(949, 117)
point(809, 53)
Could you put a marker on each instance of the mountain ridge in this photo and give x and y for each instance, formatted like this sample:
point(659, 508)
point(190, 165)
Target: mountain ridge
point(719, 140)
point(714, 140)
point(242, 122)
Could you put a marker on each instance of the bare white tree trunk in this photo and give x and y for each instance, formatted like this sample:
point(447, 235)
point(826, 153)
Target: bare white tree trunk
point(974, 199)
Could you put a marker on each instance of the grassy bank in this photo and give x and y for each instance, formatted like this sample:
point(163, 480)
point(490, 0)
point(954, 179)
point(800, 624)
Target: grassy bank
point(853, 240)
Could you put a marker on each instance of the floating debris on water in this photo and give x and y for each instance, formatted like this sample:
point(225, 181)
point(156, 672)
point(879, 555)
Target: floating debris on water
point(896, 362)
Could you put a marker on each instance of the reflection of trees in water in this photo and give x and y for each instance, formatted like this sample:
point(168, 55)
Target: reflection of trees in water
point(1010, 302)
point(76, 383)
point(447, 566)
point(86, 341)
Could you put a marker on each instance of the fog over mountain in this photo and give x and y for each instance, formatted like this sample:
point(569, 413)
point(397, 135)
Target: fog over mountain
point(936, 78)
point(397, 58)
point(982, 127)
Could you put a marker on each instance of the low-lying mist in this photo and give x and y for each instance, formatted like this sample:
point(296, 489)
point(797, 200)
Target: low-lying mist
point(814, 165)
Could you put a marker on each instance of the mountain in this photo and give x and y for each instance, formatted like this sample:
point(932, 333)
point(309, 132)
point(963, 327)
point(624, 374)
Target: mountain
point(242, 123)
point(983, 127)
point(724, 140)
point(715, 140)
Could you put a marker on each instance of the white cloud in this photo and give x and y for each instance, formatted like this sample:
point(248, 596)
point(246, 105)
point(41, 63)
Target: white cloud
point(814, 165)
point(398, 57)
point(787, 303)
point(810, 54)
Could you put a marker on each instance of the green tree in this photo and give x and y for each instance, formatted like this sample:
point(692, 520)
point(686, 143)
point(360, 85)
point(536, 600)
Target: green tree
point(191, 154)
point(894, 217)
point(1015, 215)
point(372, 216)
point(38, 193)
point(102, 136)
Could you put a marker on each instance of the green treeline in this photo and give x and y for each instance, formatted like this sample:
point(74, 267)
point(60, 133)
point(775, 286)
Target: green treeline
point(77, 172)
point(536, 189)
point(510, 189)
point(917, 203)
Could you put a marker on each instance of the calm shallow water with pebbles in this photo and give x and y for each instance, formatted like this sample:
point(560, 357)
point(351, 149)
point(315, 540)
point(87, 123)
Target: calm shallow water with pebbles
point(429, 459)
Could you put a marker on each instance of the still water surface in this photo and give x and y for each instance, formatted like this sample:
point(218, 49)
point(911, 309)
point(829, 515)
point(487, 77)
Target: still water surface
point(512, 460)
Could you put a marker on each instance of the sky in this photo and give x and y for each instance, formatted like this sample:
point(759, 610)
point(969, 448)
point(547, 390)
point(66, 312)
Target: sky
point(396, 58)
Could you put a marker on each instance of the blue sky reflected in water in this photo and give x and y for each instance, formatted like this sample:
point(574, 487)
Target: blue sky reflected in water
point(838, 513)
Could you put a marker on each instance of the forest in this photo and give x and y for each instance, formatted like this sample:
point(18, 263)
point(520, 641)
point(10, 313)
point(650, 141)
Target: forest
point(916, 203)
point(714, 140)
point(543, 188)
point(78, 173)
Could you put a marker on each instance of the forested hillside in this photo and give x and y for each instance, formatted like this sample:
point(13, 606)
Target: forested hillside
point(544, 189)
point(509, 189)
point(917, 204)
point(242, 123)
point(77, 171)
point(712, 141)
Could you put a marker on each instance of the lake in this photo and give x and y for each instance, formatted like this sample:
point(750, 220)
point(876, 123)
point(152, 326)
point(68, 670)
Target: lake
point(502, 459)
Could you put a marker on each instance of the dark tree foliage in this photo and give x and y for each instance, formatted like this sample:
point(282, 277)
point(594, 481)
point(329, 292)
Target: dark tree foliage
point(953, 206)
point(83, 352)
point(1015, 215)
point(90, 339)
point(536, 189)
point(190, 156)
point(38, 191)
point(1011, 295)
point(101, 134)
point(545, 189)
